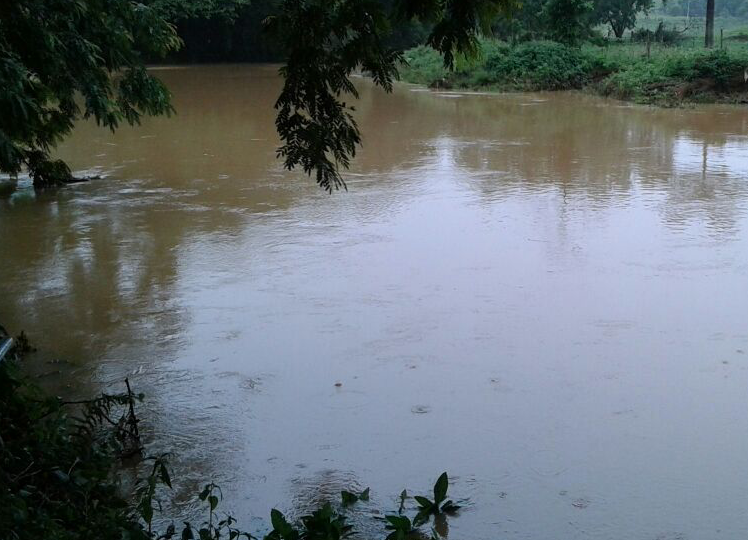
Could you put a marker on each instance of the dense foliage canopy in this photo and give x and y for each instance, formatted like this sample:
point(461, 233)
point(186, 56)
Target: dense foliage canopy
point(619, 14)
point(65, 59)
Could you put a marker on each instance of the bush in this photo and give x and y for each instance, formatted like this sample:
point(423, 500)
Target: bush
point(543, 65)
point(423, 66)
point(635, 81)
point(56, 478)
point(667, 77)
point(537, 65)
point(671, 78)
point(719, 66)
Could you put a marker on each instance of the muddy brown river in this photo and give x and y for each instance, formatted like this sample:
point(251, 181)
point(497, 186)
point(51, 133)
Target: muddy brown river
point(544, 294)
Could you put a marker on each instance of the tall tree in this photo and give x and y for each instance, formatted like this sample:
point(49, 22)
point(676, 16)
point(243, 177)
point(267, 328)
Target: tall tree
point(567, 21)
point(619, 14)
point(709, 37)
point(61, 60)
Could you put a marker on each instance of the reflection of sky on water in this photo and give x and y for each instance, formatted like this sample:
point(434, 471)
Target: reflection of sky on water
point(728, 159)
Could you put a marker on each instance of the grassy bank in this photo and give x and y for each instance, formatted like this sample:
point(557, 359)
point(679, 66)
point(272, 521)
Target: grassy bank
point(668, 76)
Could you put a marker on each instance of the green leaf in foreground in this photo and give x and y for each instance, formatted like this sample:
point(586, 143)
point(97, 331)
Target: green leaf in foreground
point(440, 488)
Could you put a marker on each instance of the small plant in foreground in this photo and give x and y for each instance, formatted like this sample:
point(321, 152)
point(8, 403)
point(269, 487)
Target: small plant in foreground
point(403, 498)
point(59, 478)
point(322, 524)
point(426, 507)
point(349, 497)
point(400, 526)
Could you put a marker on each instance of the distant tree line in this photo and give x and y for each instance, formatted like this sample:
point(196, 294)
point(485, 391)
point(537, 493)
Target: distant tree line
point(237, 30)
point(697, 8)
point(569, 21)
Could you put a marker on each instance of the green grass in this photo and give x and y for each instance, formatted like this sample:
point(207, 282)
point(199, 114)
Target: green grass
point(668, 76)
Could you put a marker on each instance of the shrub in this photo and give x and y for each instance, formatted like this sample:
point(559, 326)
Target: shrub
point(719, 66)
point(56, 478)
point(423, 66)
point(634, 81)
point(667, 77)
point(541, 65)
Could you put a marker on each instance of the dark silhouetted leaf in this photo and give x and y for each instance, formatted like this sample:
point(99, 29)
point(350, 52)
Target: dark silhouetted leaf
point(440, 489)
point(348, 497)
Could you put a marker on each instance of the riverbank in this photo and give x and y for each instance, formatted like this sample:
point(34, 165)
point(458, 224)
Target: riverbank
point(67, 474)
point(668, 77)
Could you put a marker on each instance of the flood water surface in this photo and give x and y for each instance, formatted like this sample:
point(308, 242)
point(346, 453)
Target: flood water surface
point(543, 294)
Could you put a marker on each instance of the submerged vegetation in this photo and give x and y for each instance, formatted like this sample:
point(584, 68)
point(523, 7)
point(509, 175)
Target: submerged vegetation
point(62, 477)
point(669, 77)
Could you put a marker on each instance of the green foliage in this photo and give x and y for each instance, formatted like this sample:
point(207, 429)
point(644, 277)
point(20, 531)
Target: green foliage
point(282, 529)
point(542, 65)
point(538, 65)
point(349, 497)
point(670, 79)
point(325, 41)
point(400, 527)
point(61, 60)
point(403, 498)
point(56, 477)
point(59, 464)
point(667, 78)
point(568, 20)
point(458, 23)
point(660, 34)
point(214, 528)
point(325, 524)
point(322, 524)
point(176, 10)
point(719, 66)
point(423, 65)
point(427, 507)
point(565, 21)
point(232, 30)
point(227, 36)
point(59, 476)
point(619, 14)
point(524, 23)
